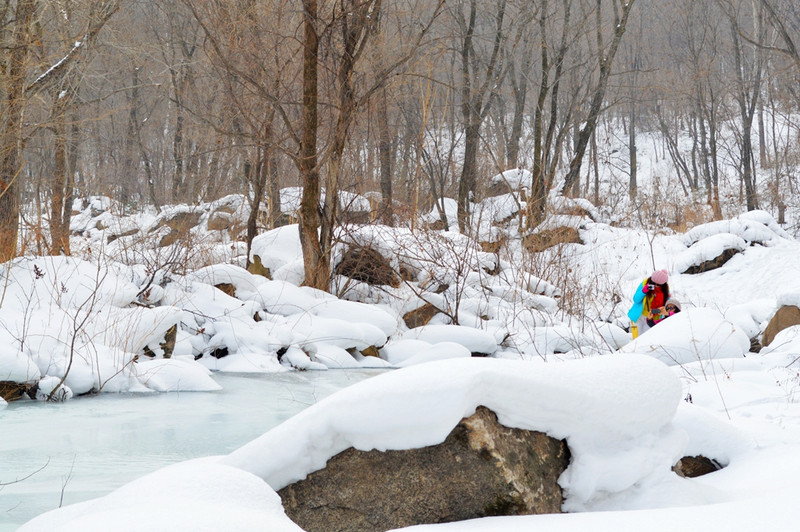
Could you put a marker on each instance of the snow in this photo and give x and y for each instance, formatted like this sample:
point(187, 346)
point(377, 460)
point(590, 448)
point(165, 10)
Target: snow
point(475, 340)
point(567, 402)
point(194, 495)
point(557, 358)
point(516, 178)
point(707, 249)
point(695, 335)
point(15, 366)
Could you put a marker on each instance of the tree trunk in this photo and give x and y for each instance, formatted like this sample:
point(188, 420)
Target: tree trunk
point(61, 182)
point(747, 100)
point(474, 102)
point(256, 178)
point(466, 183)
point(385, 156)
point(11, 130)
point(273, 191)
point(632, 182)
point(317, 273)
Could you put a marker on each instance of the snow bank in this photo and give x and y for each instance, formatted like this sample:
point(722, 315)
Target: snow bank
point(708, 248)
point(615, 412)
point(475, 340)
point(516, 178)
point(195, 495)
point(693, 335)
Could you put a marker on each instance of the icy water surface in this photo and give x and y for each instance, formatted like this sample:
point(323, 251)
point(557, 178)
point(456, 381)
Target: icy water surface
point(89, 446)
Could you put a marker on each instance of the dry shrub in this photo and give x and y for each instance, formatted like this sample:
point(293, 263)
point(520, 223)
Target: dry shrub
point(687, 216)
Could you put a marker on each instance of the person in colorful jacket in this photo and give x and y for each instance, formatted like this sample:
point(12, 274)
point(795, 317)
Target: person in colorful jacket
point(648, 302)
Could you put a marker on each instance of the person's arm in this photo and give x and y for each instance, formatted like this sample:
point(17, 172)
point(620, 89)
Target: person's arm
point(638, 296)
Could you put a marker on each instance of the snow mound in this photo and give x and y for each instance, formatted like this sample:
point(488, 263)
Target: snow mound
point(693, 335)
point(754, 227)
point(709, 248)
point(516, 178)
point(475, 340)
point(615, 412)
point(193, 495)
point(278, 247)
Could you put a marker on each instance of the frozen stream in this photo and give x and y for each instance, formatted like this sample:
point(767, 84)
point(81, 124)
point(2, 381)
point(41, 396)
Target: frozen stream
point(87, 447)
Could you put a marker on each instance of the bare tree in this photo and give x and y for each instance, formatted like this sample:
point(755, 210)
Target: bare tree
point(605, 59)
point(17, 93)
point(481, 73)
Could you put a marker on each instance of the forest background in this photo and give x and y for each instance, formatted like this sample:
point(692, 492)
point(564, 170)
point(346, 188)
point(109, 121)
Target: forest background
point(407, 102)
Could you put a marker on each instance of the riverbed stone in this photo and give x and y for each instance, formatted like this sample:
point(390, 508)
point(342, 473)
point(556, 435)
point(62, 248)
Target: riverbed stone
point(481, 469)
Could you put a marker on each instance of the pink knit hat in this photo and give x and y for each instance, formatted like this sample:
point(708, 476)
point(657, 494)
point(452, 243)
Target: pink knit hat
point(659, 276)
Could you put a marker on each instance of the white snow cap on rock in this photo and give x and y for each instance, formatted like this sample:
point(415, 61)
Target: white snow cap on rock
point(613, 410)
point(476, 340)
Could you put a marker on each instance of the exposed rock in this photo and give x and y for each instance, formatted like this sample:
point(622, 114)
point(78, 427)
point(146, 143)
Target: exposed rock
point(11, 391)
point(482, 469)
point(367, 265)
point(498, 188)
point(786, 316)
point(420, 316)
point(221, 352)
point(371, 351)
point(168, 345)
point(548, 238)
point(179, 224)
point(755, 345)
point(257, 268)
point(695, 466)
point(350, 216)
point(713, 264)
point(129, 232)
point(219, 221)
point(226, 288)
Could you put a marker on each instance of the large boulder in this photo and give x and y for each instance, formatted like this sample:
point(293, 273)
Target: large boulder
point(481, 469)
point(786, 316)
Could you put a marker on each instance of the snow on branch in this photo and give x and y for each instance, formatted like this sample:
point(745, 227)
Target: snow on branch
point(57, 71)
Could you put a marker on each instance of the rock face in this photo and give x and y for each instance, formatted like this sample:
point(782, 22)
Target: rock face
point(420, 316)
point(11, 391)
point(713, 264)
point(696, 466)
point(548, 238)
point(786, 316)
point(367, 265)
point(481, 469)
point(179, 225)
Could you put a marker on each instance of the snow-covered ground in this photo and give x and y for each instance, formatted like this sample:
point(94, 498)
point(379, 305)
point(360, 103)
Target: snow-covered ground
point(628, 409)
